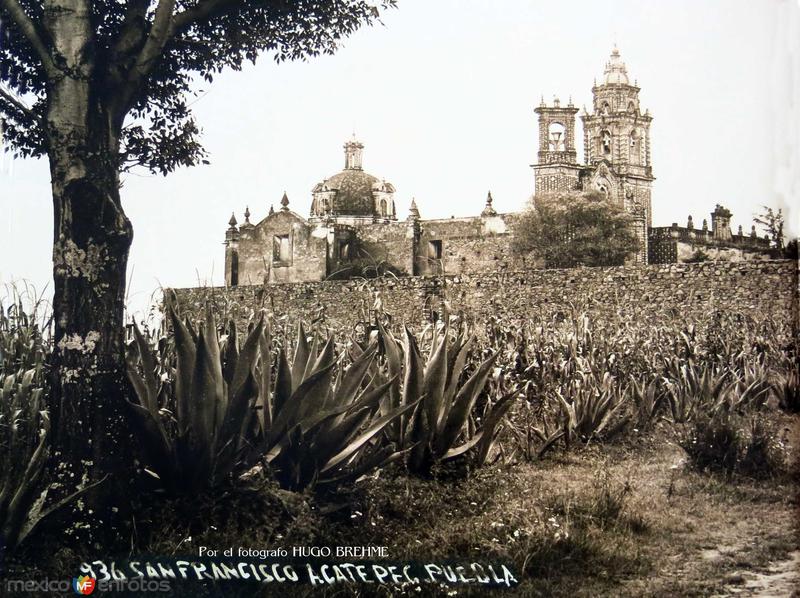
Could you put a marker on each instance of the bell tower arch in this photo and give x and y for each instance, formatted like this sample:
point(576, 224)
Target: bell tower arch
point(557, 166)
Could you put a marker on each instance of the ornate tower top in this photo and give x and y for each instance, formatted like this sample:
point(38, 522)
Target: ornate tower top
point(284, 202)
point(489, 210)
point(352, 154)
point(413, 211)
point(615, 71)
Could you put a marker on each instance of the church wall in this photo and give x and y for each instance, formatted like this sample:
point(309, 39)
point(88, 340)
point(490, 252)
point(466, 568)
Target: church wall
point(649, 294)
point(467, 245)
point(257, 261)
point(671, 244)
point(391, 243)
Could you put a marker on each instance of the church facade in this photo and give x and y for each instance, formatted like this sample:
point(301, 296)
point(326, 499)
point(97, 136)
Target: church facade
point(353, 230)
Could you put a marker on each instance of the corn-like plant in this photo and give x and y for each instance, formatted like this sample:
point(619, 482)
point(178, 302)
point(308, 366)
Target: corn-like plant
point(23, 337)
point(438, 429)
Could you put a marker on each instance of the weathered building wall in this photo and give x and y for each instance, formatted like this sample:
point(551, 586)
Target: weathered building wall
point(390, 243)
point(646, 294)
point(466, 245)
point(260, 259)
point(670, 244)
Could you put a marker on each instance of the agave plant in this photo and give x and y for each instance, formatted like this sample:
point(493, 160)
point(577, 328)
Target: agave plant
point(592, 409)
point(321, 426)
point(193, 420)
point(218, 411)
point(649, 398)
point(437, 430)
point(24, 429)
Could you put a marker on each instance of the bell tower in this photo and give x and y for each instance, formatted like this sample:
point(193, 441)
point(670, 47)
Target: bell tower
point(616, 140)
point(557, 168)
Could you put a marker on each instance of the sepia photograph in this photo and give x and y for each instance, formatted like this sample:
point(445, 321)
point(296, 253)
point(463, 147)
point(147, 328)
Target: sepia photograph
point(329, 298)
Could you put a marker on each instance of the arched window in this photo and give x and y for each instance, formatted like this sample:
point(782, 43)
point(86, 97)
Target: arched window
point(384, 208)
point(634, 150)
point(605, 142)
point(557, 137)
point(606, 109)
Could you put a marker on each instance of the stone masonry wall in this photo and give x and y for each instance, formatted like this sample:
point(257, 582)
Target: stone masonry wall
point(646, 294)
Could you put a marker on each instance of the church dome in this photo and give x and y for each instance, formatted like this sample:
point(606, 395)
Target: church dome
point(353, 193)
point(615, 72)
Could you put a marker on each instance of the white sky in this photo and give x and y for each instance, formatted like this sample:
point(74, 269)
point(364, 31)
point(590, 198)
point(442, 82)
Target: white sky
point(442, 97)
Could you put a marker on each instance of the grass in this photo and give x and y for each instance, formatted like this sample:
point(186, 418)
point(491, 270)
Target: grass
point(629, 519)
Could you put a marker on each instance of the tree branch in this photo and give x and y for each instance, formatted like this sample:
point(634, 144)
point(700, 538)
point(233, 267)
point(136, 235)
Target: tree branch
point(30, 30)
point(16, 103)
point(159, 36)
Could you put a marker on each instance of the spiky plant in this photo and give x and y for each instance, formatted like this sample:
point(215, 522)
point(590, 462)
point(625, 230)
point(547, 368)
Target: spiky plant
point(193, 420)
point(321, 425)
point(437, 430)
point(209, 409)
point(24, 429)
point(592, 408)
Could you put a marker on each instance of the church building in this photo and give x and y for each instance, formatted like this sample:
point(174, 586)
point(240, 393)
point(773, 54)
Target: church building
point(353, 230)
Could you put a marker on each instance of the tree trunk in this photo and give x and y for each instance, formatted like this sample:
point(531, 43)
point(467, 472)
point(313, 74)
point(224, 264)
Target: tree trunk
point(91, 240)
point(92, 237)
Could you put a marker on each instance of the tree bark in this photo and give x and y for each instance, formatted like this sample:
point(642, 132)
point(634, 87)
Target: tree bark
point(91, 240)
point(92, 237)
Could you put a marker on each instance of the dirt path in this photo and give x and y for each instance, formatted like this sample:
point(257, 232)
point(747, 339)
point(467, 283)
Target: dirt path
point(781, 580)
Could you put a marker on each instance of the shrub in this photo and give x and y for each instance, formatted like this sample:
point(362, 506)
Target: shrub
point(729, 443)
point(714, 443)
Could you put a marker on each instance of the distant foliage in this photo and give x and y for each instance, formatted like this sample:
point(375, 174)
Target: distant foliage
point(575, 229)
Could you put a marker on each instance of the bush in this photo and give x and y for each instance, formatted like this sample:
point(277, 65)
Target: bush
point(729, 443)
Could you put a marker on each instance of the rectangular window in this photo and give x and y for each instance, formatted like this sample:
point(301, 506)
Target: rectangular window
point(281, 252)
point(435, 250)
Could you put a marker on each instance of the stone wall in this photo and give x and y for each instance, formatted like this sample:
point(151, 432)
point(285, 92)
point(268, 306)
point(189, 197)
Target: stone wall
point(645, 294)
point(468, 245)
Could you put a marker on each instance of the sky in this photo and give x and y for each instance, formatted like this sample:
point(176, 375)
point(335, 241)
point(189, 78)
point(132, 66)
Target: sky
point(442, 96)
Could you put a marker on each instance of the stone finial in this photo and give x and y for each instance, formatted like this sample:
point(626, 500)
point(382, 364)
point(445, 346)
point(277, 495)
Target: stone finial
point(705, 225)
point(489, 210)
point(271, 210)
point(542, 102)
point(753, 233)
point(232, 222)
point(569, 102)
point(247, 215)
point(690, 223)
point(284, 203)
point(413, 212)
point(741, 233)
point(556, 102)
